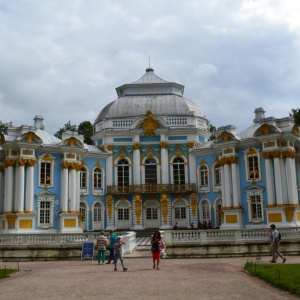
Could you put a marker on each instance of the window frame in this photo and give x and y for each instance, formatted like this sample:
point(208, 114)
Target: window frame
point(250, 156)
point(48, 160)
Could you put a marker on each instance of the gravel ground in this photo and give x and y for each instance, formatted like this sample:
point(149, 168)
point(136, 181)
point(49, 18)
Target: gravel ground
point(217, 278)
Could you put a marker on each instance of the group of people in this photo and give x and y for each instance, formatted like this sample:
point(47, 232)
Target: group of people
point(204, 225)
point(114, 244)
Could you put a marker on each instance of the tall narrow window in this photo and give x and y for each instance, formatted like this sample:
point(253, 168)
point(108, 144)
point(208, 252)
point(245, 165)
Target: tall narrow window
point(253, 167)
point(180, 213)
point(123, 172)
point(45, 173)
point(256, 207)
point(97, 212)
point(123, 214)
point(203, 175)
point(97, 178)
point(178, 171)
point(82, 210)
point(205, 210)
point(217, 174)
point(151, 213)
point(44, 213)
point(150, 171)
point(83, 178)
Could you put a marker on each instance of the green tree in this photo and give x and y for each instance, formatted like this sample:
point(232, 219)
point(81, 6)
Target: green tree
point(3, 127)
point(86, 129)
point(67, 127)
point(295, 115)
point(212, 129)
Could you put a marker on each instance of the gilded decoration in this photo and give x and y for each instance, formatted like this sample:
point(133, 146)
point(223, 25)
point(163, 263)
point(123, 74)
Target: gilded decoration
point(228, 150)
point(109, 147)
point(22, 161)
point(164, 207)
point(221, 214)
point(123, 198)
point(267, 155)
point(28, 152)
point(295, 129)
point(30, 136)
point(109, 200)
point(269, 144)
point(289, 153)
point(70, 155)
point(14, 152)
point(284, 144)
point(265, 129)
point(72, 141)
point(136, 146)
point(289, 213)
point(101, 147)
point(191, 145)
point(80, 216)
point(138, 208)
point(122, 152)
point(150, 155)
point(225, 136)
point(98, 165)
point(25, 224)
point(123, 155)
point(276, 153)
point(1, 169)
point(291, 144)
point(194, 203)
point(11, 220)
point(251, 151)
point(149, 124)
point(233, 159)
point(47, 157)
point(203, 162)
point(178, 154)
point(163, 145)
point(69, 223)
point(9, 162)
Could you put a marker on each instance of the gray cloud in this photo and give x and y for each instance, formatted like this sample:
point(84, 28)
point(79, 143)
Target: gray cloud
point(64, 59)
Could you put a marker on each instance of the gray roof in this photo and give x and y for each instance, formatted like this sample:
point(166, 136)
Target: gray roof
point(150, 92)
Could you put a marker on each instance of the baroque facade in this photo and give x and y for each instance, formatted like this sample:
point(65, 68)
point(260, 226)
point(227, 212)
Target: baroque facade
point(152, 164)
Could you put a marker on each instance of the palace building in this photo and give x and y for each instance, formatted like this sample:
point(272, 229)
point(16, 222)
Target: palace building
point(153, 163)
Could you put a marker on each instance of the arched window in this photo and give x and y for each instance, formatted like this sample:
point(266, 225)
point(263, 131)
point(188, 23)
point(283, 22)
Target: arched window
point(178, 171)
point(150, 171)
point(97, 178)
point(252, 161)
point(97, 212)
point(123, 172)
point(83, 178)
point(205, 211)
point(203, 176)
point(46, 170)
point(217, 174)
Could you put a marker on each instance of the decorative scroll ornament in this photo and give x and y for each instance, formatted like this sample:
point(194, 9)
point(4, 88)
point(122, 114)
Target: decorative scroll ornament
point(138, 208)
point(150, 124)
point(164, 207)
point(194, 203)
point(109, 200)
point(289, 213)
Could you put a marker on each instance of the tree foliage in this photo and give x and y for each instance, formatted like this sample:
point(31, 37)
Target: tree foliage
point(85, 128)
point(295, 115)
point(67, 127)
point(212, 129)
point(3, 127)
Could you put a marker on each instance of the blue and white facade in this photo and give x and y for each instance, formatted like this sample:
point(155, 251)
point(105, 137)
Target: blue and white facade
point(152, 164)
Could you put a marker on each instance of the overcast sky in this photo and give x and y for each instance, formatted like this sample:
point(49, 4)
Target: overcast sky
point(63, 59)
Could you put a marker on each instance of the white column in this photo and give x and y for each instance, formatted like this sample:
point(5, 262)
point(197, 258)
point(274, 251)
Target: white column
point(270, 181)
point(1, 189)
point(227, 185)
point(29, 189)
point(291, 180)
point(109, 171)
point(64, 190)
point(72, 190)
point(136, 165)
point(8, 190)
point(223, 186)
point(164, 166)
point(278, 182)
point(235, 186)
point(20, 189)
point(283, 181)
point(78, 190)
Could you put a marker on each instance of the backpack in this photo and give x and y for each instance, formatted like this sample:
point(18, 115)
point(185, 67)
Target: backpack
point(279, 236)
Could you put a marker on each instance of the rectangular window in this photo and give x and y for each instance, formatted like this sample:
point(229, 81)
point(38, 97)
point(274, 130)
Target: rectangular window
point(45, 176)
point(123, 214)
point(253, 167)
point(180, 213)
point(45, 212)
point(151, 213)
point(83, 179)
point(256, 207)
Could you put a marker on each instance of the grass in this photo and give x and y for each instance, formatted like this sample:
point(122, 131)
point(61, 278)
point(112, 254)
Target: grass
point(6, 272)
point(283, 276)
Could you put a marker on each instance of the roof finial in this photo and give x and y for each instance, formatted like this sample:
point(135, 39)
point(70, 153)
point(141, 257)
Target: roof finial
point(149, 69)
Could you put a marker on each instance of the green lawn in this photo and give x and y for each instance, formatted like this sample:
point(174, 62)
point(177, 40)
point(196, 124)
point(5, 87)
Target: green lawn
point(6, 272)
point(283, 276)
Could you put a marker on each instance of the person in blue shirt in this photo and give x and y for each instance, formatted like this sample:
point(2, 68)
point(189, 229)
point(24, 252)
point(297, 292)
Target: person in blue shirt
point(112, 240)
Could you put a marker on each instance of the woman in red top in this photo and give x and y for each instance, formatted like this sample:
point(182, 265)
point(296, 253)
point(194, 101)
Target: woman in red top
point(155, 239)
